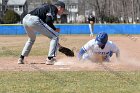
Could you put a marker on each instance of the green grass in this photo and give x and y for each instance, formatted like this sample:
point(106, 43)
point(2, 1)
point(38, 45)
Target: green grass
point(69, 82)
point(15, 51)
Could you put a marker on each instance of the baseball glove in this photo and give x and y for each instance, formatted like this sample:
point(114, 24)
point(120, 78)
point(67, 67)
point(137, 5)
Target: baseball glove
point(66, 51)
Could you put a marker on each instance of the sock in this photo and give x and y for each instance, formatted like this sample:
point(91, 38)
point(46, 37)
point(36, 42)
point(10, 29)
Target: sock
point(21, 56)
point(50, 58)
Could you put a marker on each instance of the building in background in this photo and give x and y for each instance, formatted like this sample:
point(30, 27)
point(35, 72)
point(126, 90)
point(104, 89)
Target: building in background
point(34, 3)
point(19, 6)
point(72, 10)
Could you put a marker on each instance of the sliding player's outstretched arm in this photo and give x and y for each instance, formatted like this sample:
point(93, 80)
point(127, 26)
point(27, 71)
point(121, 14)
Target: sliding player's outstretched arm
point(116, 50)
point(84, 49)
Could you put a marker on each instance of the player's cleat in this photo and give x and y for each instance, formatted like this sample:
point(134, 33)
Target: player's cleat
point(20, 61)
point(50, 62)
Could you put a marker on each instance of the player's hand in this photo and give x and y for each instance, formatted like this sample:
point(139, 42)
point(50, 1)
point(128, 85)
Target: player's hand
point(118, 59)
point(57, 30)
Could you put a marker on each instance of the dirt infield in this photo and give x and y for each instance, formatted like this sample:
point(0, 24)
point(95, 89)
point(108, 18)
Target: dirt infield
point(129, 47)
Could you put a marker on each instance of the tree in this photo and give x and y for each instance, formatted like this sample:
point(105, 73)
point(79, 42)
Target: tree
point(11, 17)
point(124, 10)
point(1, 22)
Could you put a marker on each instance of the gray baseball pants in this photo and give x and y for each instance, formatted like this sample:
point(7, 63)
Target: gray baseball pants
point(91, 29)
point(33, 24)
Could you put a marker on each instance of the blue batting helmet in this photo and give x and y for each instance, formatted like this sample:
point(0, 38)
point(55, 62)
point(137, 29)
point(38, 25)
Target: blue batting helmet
point(102, 38)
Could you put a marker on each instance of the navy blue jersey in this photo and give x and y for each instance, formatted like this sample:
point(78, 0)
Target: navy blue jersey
point(47, 13)
point(91, 18)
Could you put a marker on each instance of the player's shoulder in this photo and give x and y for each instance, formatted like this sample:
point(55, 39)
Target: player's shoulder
point(93, 40)
point(110, 43)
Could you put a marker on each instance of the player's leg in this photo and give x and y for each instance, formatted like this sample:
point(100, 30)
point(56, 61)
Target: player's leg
point(27, 48)
point(54, 36)
point(28, 45)
point(91, 29)
point(31, 34)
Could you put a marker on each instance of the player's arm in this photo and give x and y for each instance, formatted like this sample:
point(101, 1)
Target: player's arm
point(84, 49)
point(116, 50)
point(118, 53)
point(81, 53)
point(49, 23)
point(50, 18)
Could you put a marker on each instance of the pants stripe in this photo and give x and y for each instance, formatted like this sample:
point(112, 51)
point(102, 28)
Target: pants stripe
point(51, 33)
point(55, 48)
point(47, 28)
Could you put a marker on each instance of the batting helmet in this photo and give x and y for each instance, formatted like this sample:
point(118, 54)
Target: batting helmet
point(102, 38)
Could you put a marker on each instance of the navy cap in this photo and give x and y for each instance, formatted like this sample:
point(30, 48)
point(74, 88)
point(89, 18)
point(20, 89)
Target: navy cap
point(60, 3)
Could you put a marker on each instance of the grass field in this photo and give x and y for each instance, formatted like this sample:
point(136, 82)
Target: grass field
point(16, 80)
point(69, 82)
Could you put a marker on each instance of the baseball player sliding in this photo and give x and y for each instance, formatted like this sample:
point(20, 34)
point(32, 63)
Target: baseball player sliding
point(41, 20)
point(99, 49)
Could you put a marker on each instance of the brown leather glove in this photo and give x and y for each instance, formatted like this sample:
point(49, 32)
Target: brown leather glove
point(66, 51)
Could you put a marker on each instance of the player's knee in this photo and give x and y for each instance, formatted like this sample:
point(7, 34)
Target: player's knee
point(55, 38)
point(31, 41)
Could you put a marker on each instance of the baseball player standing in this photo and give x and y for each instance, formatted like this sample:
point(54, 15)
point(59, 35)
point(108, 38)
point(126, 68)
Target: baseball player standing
point(41, 20)
point(91, 20)
point(99, 48)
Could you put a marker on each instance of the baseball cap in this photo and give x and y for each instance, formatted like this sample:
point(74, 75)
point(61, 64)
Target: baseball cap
point(60, 3)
